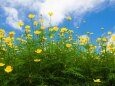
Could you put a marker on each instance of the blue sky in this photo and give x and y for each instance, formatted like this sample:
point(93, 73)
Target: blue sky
point(96, 13)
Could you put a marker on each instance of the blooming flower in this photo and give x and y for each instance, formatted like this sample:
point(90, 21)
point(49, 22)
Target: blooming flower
point(37, 32)
point(31, 16)
point(97, 80)
point(27, 27)
point(11, 33)
point(8, 69)
point(41, 21)
point(63, 30)
point(50, 13)
point(68, 45)
point(113, 37)
point(55, 28)
point(20, 24)
point(109, 33)
point(35, 23)
point(42, 27)
point(38, 51)
point(2, 64)
point(69, 18)
point(37, 60)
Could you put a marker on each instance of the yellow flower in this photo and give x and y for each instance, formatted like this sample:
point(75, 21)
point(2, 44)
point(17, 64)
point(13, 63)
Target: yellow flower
point(8, 69)
point(50, 29)
point(35, 23)
point(20, 24)
point(55, 28)
point(31, 16)
point(104, 39)
point(2, 31)
point(8, 39)
point(38, 51)
point(63, 30)
point(44, 38)
point(2, 64)
point(68, 45)
point(84, 40)
point(69, 18)
point(98, 40)
point(18, 39)
point(27, 27)
point(11, 33)
point(41, 21)
point(27, 31)
point(113, 37)
point(42, 27)
point(37, 60)
point(37, 32)
point(50, 13)
point(29, 36)
point(1, 36)
point(97, 80)
point(109, 33)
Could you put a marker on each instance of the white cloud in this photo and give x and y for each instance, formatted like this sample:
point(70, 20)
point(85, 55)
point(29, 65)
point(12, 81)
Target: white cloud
point(12, 17)
point(61, 8)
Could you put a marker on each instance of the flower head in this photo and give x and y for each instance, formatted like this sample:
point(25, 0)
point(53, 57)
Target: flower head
point(37, 60)
point(50, 13)
point(68, 45)
point(8, 69)
point(69, 18)
point(38, 51)
point(31, 16)
point(2, 64)
point(97, 80)
point(20, 24)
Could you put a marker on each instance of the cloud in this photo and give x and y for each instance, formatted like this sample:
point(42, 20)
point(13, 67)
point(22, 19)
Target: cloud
point(12, 17)
point(16, 9)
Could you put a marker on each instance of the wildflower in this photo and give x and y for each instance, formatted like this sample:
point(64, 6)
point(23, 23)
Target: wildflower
point(29, 36)
point(55, 28)
point(50, 29)
point(69, 18)
point(31, 16)
point(27, 27)
point(18, 39)
point(27, 30)
point(109, 33)
point(38, 51)
point(20, 24)
point(113, 37)
point(8, 69)
point(63, 30)
point(2, 31)
point(42, 27)
point(2, 64)
point(41, 21)
point(50, 13)
point(97, 80)
point(37, 60)
point(84, 40)
point(68, 45)
point(51, 36)
point(35, 23)
point(11, 34)
point(104, 39)
point(98, 40)
point(37, 32)
point(44, 38)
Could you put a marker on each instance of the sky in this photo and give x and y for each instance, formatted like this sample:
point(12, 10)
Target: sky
point(96, 14)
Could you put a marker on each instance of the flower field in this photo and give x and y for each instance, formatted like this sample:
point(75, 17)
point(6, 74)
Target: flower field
point(55, 56)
